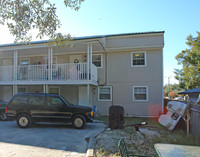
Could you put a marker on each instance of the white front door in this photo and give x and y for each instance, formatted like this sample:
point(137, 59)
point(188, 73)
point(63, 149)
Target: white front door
point(7, 93)
point(7, 70)
point(24, 69)
point(83, 97)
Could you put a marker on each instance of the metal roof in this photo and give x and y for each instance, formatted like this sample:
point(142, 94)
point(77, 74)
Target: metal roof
point(194, 90)
point(82, 38)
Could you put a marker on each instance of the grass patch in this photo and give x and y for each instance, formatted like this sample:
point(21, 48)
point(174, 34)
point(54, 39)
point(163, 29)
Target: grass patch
point(104, 119)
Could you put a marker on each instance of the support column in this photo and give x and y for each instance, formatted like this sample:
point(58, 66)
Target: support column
point(88, 61)
point(45, 88)
point(15, 65)
point(51, 63)
point(50, 53)
point(15, 90)
point(88, 94)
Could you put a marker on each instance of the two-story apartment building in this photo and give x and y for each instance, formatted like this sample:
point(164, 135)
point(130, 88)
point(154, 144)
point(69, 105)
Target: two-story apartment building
point(104, 70)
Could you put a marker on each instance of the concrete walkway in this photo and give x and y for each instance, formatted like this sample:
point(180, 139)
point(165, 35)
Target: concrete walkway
point(16, 150)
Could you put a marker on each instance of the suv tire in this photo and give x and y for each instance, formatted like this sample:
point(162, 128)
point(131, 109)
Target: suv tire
point(24, 121)
point(3, 116)
point(78, 121)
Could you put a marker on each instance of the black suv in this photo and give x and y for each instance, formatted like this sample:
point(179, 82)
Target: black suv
point(28, 108)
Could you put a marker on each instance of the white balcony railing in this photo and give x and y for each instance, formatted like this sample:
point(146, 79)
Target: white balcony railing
point(32, 72)
point(69, 71)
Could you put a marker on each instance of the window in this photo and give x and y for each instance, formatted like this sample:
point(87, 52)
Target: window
point(138, 59)
point(54, 59)
point(19, 99)
point(37, 100)
point(25, 61)
point(97, 60)
point(22, 90)
point(54, 101)
point(105, 93)
point(140, 93)
point(54, 90)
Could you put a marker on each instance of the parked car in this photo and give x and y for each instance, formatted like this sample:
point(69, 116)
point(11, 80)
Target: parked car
point(2, 111)
point(27, 108)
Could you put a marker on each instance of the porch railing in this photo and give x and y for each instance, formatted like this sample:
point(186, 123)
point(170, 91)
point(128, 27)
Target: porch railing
point(32, 72)
point(68, 71)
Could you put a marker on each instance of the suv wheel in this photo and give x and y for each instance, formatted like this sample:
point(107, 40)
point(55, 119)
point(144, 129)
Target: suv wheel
point(3, 116)
point(79, 121)
point(24, 121)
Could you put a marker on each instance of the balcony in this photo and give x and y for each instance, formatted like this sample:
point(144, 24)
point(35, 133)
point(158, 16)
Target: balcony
point(69, 73)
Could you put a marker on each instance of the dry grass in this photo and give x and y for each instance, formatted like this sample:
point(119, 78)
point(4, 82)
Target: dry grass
point(106, 143)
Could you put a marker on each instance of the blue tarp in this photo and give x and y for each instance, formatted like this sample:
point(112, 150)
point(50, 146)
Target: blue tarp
point(194, 90)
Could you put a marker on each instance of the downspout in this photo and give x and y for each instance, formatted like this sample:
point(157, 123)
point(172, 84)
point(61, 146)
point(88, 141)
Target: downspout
point(106, 68)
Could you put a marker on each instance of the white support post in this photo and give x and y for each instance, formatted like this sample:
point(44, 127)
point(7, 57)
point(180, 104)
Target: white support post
point(15, 65)
point(15, 90)
point(46, 88)
point(49, 63)
point(88, 58)
point(88, 94)
point(91, 62)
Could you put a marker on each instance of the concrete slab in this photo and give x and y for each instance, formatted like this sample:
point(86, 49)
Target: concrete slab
point(57, 139)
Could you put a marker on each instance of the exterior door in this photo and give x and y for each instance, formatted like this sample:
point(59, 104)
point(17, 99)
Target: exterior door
point(7, 93)
point(74, 69)
point(83, 97)
point(56, 109)
point(7, 70)
point(24, 69)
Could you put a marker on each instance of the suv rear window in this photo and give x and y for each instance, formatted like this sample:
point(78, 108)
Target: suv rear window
point(19, 99)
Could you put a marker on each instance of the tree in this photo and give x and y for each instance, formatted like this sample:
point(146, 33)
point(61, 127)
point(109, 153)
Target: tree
point(174, 88)
point(189, 75)
point(23, 16)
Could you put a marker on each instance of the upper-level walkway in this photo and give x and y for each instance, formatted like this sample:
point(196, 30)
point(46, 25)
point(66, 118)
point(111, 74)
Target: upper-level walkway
point(68, 73)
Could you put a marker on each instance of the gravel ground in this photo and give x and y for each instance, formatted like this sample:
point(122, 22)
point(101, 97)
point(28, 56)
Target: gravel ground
point(106, 142)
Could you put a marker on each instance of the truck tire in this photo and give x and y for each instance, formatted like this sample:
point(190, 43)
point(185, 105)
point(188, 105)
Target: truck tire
point(24, 120)
point(79, 121)
point(3, 116)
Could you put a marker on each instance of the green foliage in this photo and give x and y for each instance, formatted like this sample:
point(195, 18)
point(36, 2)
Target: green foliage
point(176, 88)
point(74, 4)
point(24, 16)
point(189, 75)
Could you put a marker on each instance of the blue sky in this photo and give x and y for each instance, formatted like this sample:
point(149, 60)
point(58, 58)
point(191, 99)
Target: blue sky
point(178, 18)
